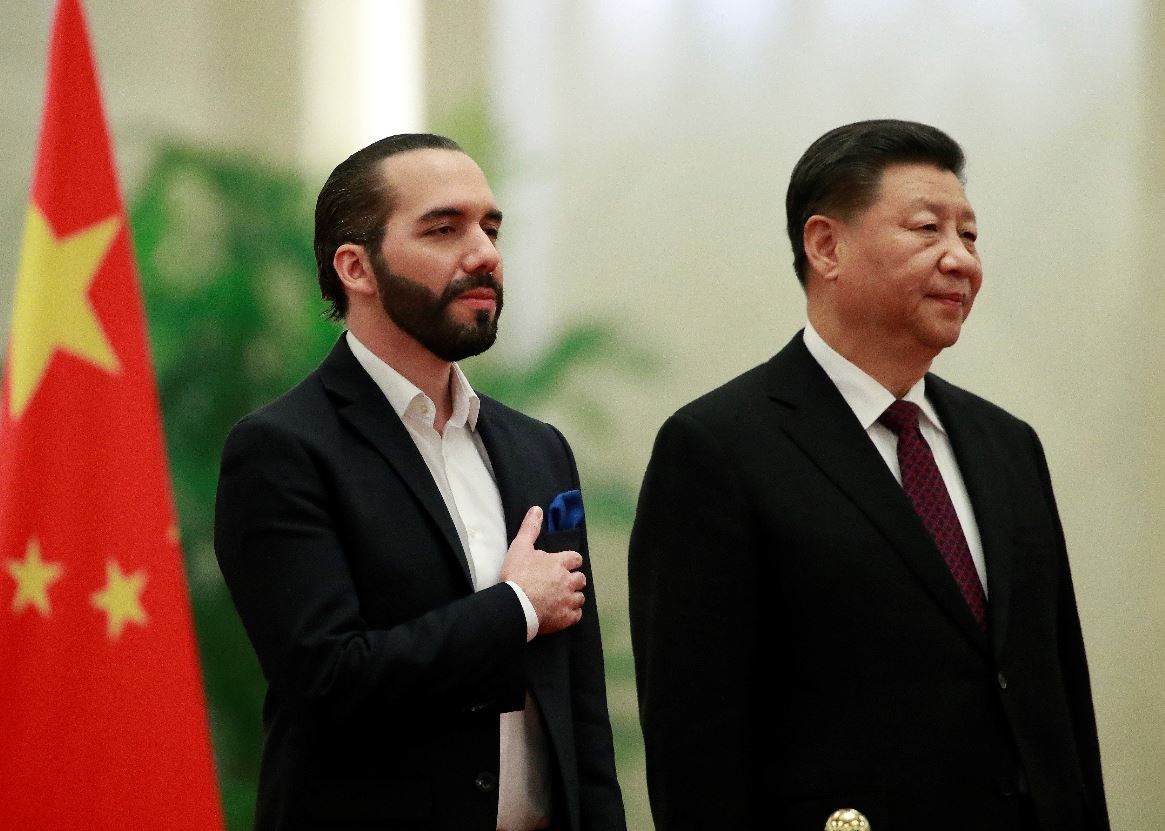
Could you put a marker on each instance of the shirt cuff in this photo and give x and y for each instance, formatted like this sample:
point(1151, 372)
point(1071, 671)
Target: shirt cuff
point(527, 609)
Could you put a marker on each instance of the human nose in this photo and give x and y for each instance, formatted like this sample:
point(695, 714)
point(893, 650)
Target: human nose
point(959, 257)
point(483, 254)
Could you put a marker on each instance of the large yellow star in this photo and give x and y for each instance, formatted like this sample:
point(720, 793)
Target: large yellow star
point(52, 308)
point(121, 599)
point(33, 578)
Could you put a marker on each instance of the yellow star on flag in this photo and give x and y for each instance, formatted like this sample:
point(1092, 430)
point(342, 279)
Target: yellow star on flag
point(121, 599)
point(52, 309)
point(33, 578)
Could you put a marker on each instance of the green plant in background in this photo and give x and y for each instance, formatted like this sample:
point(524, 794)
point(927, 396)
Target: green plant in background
point(546, 381)
point(225, 257)
point(228, 278)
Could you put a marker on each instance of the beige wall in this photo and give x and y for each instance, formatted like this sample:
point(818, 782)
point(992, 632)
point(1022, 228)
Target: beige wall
point(655, 191)
point(212, 71)
point(646, 150)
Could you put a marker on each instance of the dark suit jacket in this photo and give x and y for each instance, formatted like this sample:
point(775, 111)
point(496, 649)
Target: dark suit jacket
point(386, 671)
point(801, 647)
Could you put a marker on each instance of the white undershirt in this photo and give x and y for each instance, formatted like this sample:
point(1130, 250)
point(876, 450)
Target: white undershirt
point(461, 469)
point(868, 399)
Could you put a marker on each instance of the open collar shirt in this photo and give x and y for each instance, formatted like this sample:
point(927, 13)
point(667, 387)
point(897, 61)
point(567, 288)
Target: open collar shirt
point(461, 469)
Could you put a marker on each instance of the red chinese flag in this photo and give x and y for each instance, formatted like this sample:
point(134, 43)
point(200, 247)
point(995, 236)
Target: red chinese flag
point(103, 724)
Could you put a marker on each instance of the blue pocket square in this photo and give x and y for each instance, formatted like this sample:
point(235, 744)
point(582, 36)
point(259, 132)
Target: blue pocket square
point(565, 512)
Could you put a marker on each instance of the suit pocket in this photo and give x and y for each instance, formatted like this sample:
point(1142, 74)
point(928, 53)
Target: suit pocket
point(569, 540)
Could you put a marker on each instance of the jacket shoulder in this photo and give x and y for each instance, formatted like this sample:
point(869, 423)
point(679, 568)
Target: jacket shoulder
point(739, 392)
point(790, 368)
point(493, 409)
point(301, 409)
point(949, 398)
point(523, 429)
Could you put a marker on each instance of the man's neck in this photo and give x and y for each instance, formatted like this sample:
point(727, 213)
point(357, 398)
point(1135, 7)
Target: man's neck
point(431, 375)
point(886, 361)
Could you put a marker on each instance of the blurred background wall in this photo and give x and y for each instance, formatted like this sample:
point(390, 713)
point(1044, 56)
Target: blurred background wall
point(640, 150)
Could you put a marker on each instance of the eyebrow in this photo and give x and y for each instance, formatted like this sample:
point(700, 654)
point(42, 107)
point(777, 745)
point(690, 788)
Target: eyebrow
point(455, 213)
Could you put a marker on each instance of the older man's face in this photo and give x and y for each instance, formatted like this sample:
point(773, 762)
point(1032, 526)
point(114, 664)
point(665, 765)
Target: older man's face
point(908, 270)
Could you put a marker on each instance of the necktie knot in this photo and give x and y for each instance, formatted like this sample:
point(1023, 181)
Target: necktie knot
point(901, 415)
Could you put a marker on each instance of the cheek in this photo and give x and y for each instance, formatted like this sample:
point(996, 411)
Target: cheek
point(976, 282)
point(432, 268)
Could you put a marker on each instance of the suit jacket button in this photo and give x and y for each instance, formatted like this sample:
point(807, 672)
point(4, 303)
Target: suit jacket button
point(1002, 679)
point(486, 781)
point(1007, 786)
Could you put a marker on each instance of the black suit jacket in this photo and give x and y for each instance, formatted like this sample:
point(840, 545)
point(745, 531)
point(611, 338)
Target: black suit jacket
point(800, 646)
point(386, 671)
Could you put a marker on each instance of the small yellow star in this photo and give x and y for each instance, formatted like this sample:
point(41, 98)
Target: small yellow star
point(52, 309)
point(33, 578)
point(121, 599)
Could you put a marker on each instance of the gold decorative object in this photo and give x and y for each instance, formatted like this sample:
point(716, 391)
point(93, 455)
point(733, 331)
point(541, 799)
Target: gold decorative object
point(847, 819)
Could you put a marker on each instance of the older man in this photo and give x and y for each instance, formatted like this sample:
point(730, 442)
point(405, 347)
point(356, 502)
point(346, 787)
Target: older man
point(849, 582)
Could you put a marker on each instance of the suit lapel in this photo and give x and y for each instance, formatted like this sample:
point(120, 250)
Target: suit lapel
point(362, 404)
point(513, 461)
point(819, 421)
point(981, 462)
point(510, 461)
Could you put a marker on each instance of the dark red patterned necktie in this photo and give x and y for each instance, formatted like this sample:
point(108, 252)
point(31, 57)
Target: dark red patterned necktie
point(928, 494)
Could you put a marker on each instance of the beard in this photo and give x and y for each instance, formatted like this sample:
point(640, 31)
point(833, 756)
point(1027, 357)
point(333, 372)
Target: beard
point(424, 314)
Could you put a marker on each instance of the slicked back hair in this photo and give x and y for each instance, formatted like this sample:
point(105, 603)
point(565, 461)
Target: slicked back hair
point(840, 173)
point(354, 204)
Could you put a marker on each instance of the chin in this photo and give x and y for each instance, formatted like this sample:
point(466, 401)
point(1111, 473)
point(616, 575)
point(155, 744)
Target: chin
point(948, 325)
point(945, 339)
point(940, 336)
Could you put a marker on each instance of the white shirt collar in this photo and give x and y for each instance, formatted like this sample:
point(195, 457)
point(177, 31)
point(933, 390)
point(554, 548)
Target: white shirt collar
point(407, 399)
point(866, 397)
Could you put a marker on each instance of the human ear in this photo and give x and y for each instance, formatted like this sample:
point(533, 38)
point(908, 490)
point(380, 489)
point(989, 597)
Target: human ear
point(823, 245)
point(354, 268)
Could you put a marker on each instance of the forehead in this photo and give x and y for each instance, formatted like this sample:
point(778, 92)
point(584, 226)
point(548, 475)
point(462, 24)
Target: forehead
point(908, 187)
point(422, 180)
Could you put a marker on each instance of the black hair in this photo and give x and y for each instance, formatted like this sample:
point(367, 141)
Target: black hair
point(840, 172)
point(354, 204)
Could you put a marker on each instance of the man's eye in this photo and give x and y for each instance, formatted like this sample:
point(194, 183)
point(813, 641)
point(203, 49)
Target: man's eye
point(493, 233)
point(442, 230)
point(929, 226)
point(970, 236)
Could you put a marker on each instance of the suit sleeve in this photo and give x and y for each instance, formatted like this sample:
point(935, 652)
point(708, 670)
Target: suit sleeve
point(280, 552)
point(600, 798)
point(694, 601)
point(1074, 665)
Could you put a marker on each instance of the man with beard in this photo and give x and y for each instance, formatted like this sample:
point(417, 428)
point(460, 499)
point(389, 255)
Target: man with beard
point(430, 643)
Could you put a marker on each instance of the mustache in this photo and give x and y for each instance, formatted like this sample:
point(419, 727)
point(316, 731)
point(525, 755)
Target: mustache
point(479, 280)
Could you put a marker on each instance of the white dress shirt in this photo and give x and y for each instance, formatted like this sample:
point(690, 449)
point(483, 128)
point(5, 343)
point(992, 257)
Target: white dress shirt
point(868, 399)
point(461, 469)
